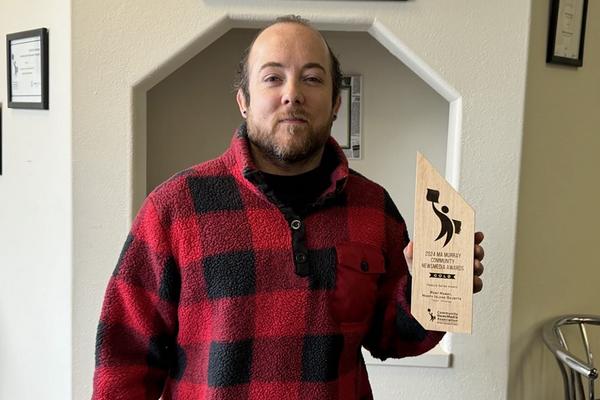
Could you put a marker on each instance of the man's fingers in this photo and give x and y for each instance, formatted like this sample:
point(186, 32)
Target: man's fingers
point(477, 284)
point(477, 268)
point(479, 252)
point(477, 265)
point(478, 237)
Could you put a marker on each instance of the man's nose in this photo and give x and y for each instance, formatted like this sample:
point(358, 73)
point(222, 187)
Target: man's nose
point(292, 93)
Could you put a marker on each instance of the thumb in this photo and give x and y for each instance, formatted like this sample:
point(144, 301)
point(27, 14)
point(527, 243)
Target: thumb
point(408, 255)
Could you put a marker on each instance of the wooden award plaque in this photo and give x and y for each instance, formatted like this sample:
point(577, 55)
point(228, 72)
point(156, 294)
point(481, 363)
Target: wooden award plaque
point(443, 244)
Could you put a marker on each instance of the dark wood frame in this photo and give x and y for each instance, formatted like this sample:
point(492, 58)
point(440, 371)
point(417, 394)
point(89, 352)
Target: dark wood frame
point(550, 57)
point(42, 33)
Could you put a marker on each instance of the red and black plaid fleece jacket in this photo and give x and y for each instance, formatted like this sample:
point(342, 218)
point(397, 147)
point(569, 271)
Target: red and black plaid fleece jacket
point(222, 293)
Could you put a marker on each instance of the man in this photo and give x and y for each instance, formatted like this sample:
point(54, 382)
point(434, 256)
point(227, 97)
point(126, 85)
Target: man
point(260, 274)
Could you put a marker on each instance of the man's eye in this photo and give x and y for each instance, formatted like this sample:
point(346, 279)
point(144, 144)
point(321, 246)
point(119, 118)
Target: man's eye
point(313, 79)
point(271, 78)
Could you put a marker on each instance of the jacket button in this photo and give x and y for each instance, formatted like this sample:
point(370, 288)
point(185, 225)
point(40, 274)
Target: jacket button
point(364, 265)
point(296, 224)
point(300, 258)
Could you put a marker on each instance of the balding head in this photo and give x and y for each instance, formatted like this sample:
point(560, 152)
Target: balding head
point(241, 81)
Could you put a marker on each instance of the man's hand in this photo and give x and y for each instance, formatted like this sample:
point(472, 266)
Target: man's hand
point(477, 265)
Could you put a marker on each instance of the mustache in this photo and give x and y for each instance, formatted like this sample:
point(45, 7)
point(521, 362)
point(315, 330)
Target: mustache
point(294, 114)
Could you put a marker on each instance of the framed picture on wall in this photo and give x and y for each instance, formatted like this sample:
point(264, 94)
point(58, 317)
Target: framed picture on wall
point(566, 32)
point(27, 69)
point(346, 129)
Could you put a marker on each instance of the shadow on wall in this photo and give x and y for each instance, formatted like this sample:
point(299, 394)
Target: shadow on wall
point(536, 376)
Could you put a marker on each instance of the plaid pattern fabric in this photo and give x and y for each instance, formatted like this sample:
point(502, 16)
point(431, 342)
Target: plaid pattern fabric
point(221, 292)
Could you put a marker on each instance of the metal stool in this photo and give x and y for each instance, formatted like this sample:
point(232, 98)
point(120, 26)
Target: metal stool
point(571, 367)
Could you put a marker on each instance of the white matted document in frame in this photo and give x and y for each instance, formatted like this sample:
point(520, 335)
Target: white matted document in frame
point(566, 32)
point(346, 129)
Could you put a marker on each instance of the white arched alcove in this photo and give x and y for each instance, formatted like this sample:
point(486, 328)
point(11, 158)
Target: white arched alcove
point(169, 120)
point(376, 29)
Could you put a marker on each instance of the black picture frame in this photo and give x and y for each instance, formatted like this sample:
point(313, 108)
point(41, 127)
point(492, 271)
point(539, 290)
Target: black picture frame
point(575, 60)
point(42, 34)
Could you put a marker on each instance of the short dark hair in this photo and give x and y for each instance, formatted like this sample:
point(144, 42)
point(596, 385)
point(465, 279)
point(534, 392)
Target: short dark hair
point(241, 79)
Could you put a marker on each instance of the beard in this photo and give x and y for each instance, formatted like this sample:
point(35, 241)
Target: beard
point(288, 144)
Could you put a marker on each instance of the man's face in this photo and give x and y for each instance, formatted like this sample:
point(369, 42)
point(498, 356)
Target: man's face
point(289, 80)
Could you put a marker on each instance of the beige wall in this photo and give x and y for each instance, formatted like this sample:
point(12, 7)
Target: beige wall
point(557, 270)
point(192, 113)
point(36, 218)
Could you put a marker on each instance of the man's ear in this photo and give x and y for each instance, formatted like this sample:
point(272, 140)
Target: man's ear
point(337, 104)
point(241, 100)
